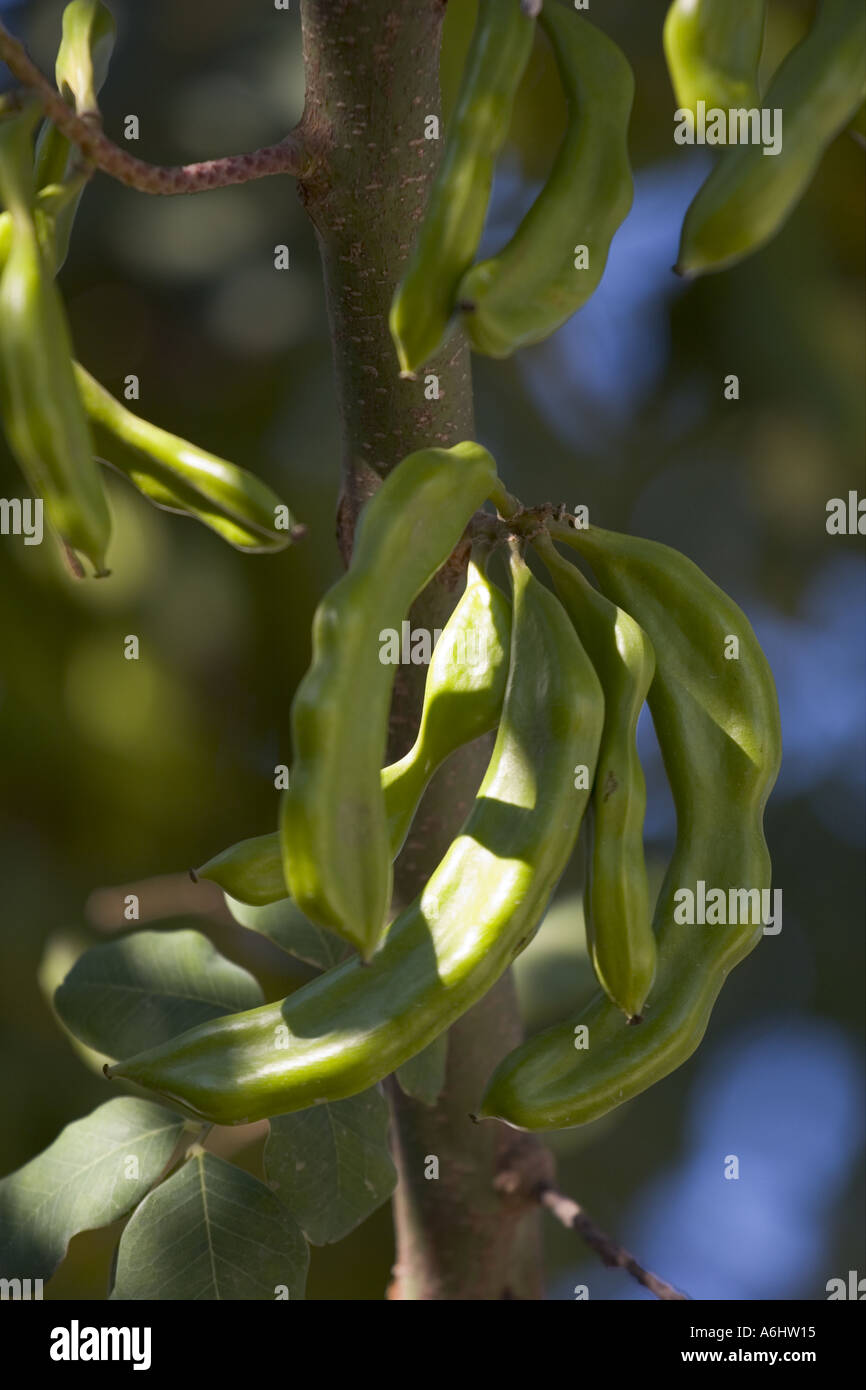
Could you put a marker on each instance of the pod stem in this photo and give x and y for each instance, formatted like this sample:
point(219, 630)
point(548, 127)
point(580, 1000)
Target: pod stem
point(506, 504)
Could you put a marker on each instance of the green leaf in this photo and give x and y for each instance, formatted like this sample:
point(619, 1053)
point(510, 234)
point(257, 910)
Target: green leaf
point(211, 1231)
point(423, 1076)
point(96, 1170)
point(330, 1165)
point(285, 924)
point(61, 951)
point(132, 994)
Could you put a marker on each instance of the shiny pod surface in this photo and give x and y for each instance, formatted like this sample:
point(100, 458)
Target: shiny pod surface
point(181, 477)
point(86, 46)
point(80, 70)
point(717, 722)
point(448, 238)
point(333, 825)
point(617, 910)
point(357, 1023)
point(463, 697)
point(713, 50)
point(42, 415)
point(538, 280)
point(749, 194)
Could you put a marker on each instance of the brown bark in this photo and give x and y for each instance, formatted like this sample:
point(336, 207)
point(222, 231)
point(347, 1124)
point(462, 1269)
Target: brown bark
point(372, 77)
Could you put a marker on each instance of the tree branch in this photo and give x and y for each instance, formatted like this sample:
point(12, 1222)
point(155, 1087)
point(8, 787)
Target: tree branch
point(571, 1214)
point(526, 1177)
point(289, 156)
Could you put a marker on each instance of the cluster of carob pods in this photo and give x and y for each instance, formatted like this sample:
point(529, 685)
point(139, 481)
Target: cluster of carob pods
point(561, 675)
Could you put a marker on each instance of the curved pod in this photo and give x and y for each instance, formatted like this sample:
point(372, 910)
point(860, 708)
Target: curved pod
point(425, 299)
point(333, 825)
point(618, 919)
point(43, 417)
point(717, 722)
point(180, 477)
point(463, 697)
point(713, 51)
point(749, 195)
point(480, 908)
point(529, 289)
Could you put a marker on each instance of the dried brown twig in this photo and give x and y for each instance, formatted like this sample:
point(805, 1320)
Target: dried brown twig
point(526, 1177)
point(571, 1214)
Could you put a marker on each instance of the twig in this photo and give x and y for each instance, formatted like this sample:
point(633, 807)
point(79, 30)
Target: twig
point(525, 1177)
point(570, 1214)
point(288, 157)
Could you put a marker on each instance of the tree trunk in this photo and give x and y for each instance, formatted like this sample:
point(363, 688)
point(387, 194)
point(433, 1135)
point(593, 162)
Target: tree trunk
point(372, 78)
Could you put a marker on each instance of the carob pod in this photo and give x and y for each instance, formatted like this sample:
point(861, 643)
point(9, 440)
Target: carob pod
point(482, 905)
point(717, 722)
point(43, 418)
point(713, 51)
point(424, 303)
point(80, 70)
point(463, 697)
point(529, 288)
point(333, 823)
point(617, 910)
point(749, 195)
point(180, 477)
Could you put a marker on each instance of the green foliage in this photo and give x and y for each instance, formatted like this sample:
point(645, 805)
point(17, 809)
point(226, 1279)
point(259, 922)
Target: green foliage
point(96, 1170)
point(330, 1165)
point(285, 924)
point(211, 1232)
point(148, 987)
point(423, 1076)
point(254, 367)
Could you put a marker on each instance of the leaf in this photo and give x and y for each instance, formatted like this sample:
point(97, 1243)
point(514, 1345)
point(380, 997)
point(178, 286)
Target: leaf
point(423, 1076)
point(285, 925)
point(211, 1231)
point(82, 1182)
point(330, 1165)
point(135, 993)
point(61, 951)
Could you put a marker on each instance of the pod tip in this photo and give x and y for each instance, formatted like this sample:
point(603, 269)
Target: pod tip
point(193, 875)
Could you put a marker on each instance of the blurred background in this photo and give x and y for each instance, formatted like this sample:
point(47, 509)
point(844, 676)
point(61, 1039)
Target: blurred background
point(118, 773)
